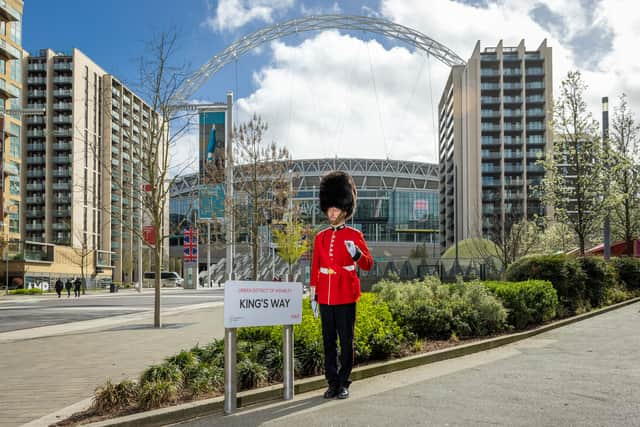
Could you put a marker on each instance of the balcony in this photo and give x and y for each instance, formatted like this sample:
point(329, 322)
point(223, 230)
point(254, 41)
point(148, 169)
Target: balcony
point(536, 126)
point(34, 93)
point(490, 127)
point(63, 132)
point(35, 200)
point(8, 52)
point(509, 154)
point(63, 79)
point(63, 106)
point(62, 186)
point(36, 173)
point(61, 226)
point(35, 66)
point(36, 160)
point(61, 173)
point(61, 159)
point(512, 100)
point(535, 85)
point(37, 80)
point(11, 169)
point(35, 120)
point(535, 99)
point(36, 106)
point(535, 154)
point(63, 66)
point(62, 119)
point(35, 146)
point(35, 227)
point(62, 146)
point(489, 100)
point(35, 213)
point(35, 187)
point(63, 93)
point(535, 71)
point(62, 213)
point(512, 72)
point(489, 72)
point(62, 200)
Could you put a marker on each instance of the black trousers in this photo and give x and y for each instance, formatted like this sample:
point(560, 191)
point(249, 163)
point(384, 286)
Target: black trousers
point(338, 321)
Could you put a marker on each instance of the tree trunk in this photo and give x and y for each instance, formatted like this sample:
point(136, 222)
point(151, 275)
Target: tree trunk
point(254, 248)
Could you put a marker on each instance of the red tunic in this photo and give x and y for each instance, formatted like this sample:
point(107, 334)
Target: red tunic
point(333, 271)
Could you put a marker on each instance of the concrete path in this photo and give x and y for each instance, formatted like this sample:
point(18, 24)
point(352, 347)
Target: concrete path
point(43, 370)
point(584, 374)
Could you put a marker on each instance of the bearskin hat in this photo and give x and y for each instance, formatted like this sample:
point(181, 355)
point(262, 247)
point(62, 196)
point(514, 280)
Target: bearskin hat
point(338, 190)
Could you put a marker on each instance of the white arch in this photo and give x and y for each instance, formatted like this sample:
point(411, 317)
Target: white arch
point(313, 23)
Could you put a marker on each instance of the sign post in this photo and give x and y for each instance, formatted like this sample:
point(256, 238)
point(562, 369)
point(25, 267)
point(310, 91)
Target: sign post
point(248, 303)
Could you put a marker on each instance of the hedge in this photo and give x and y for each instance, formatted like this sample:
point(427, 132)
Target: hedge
point(628, 270)
point(429, 309)
point(528, 303)
point(563, 271)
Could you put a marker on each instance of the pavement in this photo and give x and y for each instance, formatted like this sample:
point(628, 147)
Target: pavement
point(48, 368)
point(583, 374)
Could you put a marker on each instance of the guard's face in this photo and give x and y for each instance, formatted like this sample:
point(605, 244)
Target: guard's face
point(335, 215)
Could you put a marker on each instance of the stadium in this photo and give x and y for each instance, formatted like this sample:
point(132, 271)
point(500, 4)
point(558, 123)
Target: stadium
point(397, 211)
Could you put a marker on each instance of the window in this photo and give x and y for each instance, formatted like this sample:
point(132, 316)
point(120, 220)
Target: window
point(3, 66)
point(14, 185)
point(14, 223)
point(15, 147)
point(16, 31)
point(16, 70)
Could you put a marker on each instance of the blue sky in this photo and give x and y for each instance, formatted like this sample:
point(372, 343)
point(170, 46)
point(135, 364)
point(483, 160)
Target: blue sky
point(345, 94)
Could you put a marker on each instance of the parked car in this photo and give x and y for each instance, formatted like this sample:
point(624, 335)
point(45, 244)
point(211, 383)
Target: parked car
point(168, 279)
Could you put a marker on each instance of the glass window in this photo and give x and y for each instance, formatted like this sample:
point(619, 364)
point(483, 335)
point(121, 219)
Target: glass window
point(16, 70)
point(14, 223)
point(14, 185)
point(3, 66)
point(15, 146)
point(16, 32)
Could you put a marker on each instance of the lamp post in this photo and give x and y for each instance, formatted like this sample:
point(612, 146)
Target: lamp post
point(605, 143)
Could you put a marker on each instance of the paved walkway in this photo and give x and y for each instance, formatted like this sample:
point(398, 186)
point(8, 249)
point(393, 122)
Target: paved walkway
point(584, 374)
point(41, 373)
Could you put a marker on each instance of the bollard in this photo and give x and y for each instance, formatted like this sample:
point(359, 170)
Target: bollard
point(287, 354)
point(230, 374)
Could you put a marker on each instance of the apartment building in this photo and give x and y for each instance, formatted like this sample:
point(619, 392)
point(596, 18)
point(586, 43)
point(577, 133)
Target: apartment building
point(11, 123)
point(494, 127)
point(82, 178)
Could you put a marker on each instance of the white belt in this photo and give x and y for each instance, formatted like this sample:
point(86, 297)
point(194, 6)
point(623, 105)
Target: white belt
point(325, 270)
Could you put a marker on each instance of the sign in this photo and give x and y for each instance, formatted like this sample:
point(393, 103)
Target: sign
point(249, 303)
point(149, 234)
point(190, 245)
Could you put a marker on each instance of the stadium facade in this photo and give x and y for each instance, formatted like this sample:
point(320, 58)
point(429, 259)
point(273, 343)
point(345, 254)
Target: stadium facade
point(397, 205)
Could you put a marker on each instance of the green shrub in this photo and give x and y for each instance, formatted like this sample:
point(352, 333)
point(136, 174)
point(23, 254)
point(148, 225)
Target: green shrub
point(377, 335)
point(563, 271)
point(113, 397)
point(154, 394)
point(183, 360)
point(32, 291)
point(166, 372)
point(528, 303)
point(211, 354)
point(628, 270)
point(433, 310)
point(596, 279)
point(616, 294)
point(202, 379)
point(251, 374)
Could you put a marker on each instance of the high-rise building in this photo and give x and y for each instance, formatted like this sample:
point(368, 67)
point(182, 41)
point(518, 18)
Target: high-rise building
point(494, 127)
point(83, 173)
point(11, 124)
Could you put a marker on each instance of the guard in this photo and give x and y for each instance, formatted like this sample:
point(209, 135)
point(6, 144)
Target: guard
point(335, 286)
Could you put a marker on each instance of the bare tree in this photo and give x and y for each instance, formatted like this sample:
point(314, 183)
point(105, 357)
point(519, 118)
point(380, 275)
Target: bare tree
point(575, 174)
point(625, 138)
point(262, 176)
point(83, 254)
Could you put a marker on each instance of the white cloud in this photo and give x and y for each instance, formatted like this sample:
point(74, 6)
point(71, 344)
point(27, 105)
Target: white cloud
point(319, 99)
point(233, 14)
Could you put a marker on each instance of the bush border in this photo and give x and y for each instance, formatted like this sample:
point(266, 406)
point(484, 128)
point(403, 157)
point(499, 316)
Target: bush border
point(215, 405)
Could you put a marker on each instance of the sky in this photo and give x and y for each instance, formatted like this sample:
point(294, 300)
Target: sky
point(337, 93)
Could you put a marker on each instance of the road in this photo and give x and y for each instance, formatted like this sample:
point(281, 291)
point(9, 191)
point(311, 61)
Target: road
point(24, 312)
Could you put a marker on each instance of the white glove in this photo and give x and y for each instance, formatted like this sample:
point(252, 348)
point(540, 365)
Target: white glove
point(314, 308)
point(351, 247)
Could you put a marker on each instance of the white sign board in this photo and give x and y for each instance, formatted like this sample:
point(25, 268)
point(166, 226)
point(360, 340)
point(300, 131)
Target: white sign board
point(249, 303)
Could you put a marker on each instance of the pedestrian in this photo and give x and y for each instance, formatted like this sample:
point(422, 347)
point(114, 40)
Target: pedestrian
point(334, 282)
point(76, 287)
point(68, 285)
point(59, 286)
